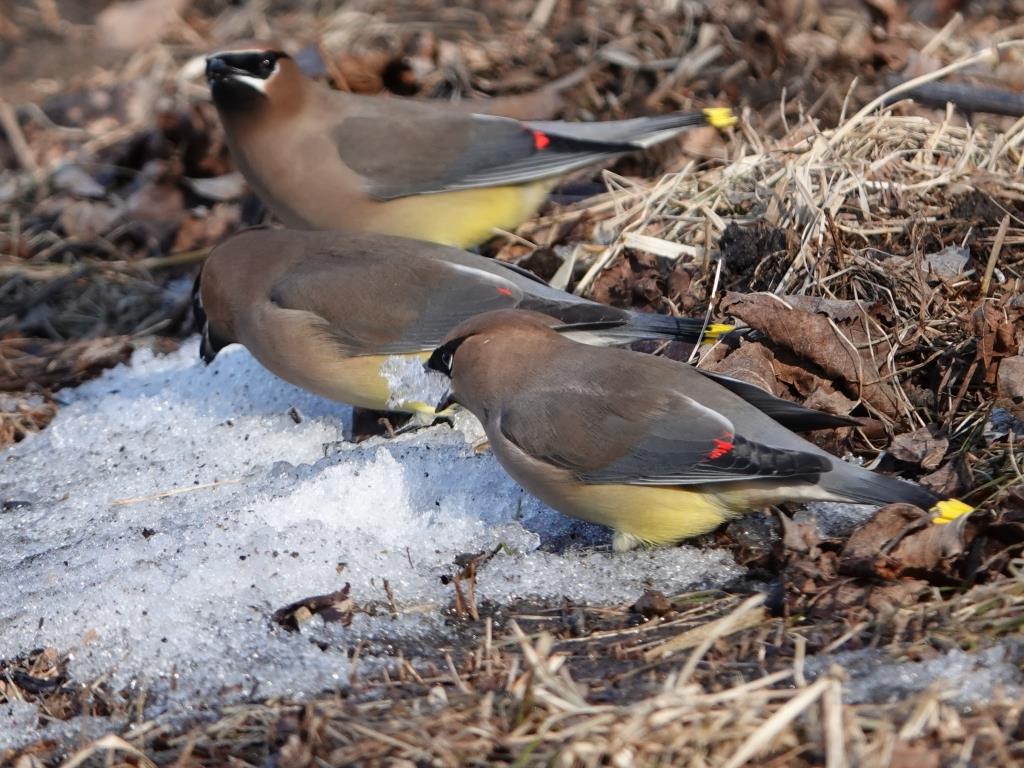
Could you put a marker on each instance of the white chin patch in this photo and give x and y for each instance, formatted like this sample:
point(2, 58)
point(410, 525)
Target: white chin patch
point(252, 82)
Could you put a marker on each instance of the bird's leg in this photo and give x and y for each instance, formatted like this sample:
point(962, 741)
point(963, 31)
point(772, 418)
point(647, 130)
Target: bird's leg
point(418, 421)
point(385, 422)
point(367, 423)
point(624, 542)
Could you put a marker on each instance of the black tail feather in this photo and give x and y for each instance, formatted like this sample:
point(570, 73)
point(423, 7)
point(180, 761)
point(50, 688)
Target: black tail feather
point(646, 325)
point(862, 485)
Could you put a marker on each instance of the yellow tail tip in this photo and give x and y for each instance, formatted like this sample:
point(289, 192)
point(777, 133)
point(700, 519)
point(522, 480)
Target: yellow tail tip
point(715, 330)
point(720, 117)
point(949, 510)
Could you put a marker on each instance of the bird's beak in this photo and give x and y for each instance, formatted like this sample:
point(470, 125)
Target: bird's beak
point(445, 402)
point(217, 68)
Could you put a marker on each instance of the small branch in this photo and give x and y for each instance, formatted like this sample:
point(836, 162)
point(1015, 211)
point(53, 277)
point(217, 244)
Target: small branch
point(993, 255)
point(9, 122)
point(173, 492)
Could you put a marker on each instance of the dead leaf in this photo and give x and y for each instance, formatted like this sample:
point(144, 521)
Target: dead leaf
point(995, 329)
point(332, 607)
point(865, 551)
point(922, 447)
point(949, 262)
point(945, 481)
point(891, 596)
point(927, 549)
point(752, 363)
point(839, 310)
point(631, 280)
point(1011, 377)
point(825, 398)
point(652, 604)
point(799, 536)
point(804, 327)
point(901, 540)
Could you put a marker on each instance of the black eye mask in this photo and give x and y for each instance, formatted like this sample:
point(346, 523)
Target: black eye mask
point(258, 64)
point(441, 359)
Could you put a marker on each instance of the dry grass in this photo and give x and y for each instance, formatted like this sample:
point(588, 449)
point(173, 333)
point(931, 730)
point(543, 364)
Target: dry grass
point(714, 680)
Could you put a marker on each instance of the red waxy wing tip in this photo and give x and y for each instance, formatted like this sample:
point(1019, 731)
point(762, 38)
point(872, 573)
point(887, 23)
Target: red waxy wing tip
point(722, 447)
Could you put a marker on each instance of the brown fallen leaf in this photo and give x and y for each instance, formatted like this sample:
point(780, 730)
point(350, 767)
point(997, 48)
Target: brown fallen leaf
point(332, 607)
point(946, 480)
point(752, 363)
point(652, 604)
point(922, 447)
point(1011, 377)
point(826, 398)
point(804, 326)
point(901, 540)
point(890, 596)
point(632, 280)
point(997, 330)
point(799, 536)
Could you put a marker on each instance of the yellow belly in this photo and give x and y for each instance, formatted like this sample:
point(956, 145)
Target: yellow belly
point(464, 218)
point(355, 381)
point(651, 514)
point(659, 515)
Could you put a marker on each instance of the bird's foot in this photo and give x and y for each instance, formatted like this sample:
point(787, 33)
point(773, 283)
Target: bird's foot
point(417, 422)
point(624, 542)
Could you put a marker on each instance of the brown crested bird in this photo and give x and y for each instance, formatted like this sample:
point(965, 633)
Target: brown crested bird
point(324, 159)
point(332, 313)
point(646, 446)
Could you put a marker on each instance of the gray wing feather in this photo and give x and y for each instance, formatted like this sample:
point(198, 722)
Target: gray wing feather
point(602, 438)
point(425, 150)
point(379, 306)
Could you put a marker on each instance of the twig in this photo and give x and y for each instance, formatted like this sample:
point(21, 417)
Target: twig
point(774, 724)
point(540, 16)
point(844, 130)
point(993, 256)
point(174, 492)
point(9, 122)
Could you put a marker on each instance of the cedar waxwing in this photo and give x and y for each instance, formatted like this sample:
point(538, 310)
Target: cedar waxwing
point(330, 312)
point(324, 159)
point(644, 445)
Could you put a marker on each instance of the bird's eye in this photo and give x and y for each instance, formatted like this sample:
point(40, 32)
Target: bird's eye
point(267, 65)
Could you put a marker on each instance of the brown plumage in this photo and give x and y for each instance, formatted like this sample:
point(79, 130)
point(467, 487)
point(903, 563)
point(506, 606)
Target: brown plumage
point(326, 310)
point(324, 159)
point(647, 446)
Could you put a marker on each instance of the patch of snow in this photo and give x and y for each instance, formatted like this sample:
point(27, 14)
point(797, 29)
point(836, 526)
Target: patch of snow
point(835, 519)
point(170, 508)
point(411, 382)
point(963, 678)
